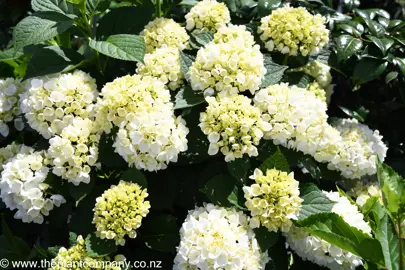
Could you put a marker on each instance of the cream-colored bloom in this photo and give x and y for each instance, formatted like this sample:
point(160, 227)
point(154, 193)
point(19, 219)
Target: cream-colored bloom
point(364, 190)
point(163, 32)
point(164, 64)
point(322, 86)
point(74, 152)
point(233, 126)
point(23, 186)
point(292, 30)
point(119, 211)
point(10, 151)
point(207, 16)
point(10, 89)
point(53, 101)
point(273, 200)
point(323, 253)
point(234, 33)
point(228, 68)
point(214, 237)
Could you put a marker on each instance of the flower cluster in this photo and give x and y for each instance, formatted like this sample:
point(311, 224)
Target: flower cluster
point(292, 30)
point(164, 64)
point(76, 258)
point(10, 151)
point(319, 251)
point(213, 237)
point(227, 68)
point(124, 96)
point(23, 188)
point(234, 33)
point(322, 86)
point(363, 191)
point(273, 200)
point(359, 150)
point(163, 32)
point(207, 16)
point(74, 151)
point(233, 126)
point(10, 89)
point(119, 211)
point(52, 102)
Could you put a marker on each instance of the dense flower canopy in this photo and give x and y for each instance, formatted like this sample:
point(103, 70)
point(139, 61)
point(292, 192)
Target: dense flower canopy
point(10, 89)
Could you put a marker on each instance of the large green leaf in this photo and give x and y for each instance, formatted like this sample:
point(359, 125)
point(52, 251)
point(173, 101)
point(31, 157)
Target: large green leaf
point(265, 238)
point(80, 191)
point(51, 5)
point(186, 60)
point(123, 47)
point(274, 72)
point(266, 6)
point(12, 247)
point(275, 161)
point(50, 59)
point(107, 155)
point(389, 242)
point(135, 176)
point(199, 40)
point(400, 62)
point(161, 232)
point(347, 46)
point(187, 97)
point(375, 28)
point(333, 229)
point(41, 26)
point(369, 69)
point(384, 44)
point(315, 201)
point(93, 6)
point(239, 167)
point(97, 247)
point(10, 54)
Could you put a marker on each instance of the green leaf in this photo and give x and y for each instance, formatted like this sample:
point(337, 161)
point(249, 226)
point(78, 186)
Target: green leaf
point(265, 238)
point(96, 247)
point(93, 6)
point(50, 59)
point(311, 166)
point(400, 62)
point(369, 69)
point(315, 201)
point(161, 232)
point(107, 155)
point(121, 20)
point(393, 188)
point(10, 54)
point(266, 6)
point(382, 43)
point(351, 113)
point(188, 2)
point(123, 47)
point(201, 39)
point(351, 27)
point(389, 242)
point(17, 247)
point(187, 98)
point(219, 188)
point(300, 79)
point(347, 46)
point(274, 72)
point(186, 60)
point(239, 168)
point(135, 176)
point(41, 26)
point(333, 229)
point(72, 239)
point(51, 5)
point(391, 76)
point(375, 28)
point(275, 161)
point(80, 191)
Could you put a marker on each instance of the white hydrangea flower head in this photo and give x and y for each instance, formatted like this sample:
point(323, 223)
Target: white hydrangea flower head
point(207, 16)
point(75, 151)
point(318, 91)
point(23, 187)
point(234, 33)
point(152, 138)
point(273, 200)
point(164, 64)
point(227, 68)
point(359, 151)
point(328, 145)
point(124, 96)
point(52, 102)
point(10, 151)
point(363, 191)
point(163, 32)
point(321, 252)
point(296, 115)
point(214, 237)
point(10, 89)
point(320, 71)
point(293, 30)
point(233, 126)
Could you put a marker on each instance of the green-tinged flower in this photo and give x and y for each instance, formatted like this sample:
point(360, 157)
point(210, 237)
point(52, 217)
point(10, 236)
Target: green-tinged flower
point(322, 86)
point(233, 126)
point(363, 191)
point(163, 32)
point(273, 200)
point(315, 88)
point(10, 91)
point(119, 211)
point(233, 33)
point(292, 30)
point(207, 16)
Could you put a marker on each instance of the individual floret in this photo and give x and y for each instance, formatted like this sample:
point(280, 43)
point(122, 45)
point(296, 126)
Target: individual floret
point(10, 89)
point(52, 102)
point(23, 187)
point(74, 152)
point(228, 68)
point(291, 30)
point(163, 32)
point(164, 64)
point(234, 33)
point(233, 126)
point(207, 16)
point(119, 211)
point(321, 252)
point(214, 237)
point(273, 200)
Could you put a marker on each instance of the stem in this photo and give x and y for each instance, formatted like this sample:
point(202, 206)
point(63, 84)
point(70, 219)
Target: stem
point(158, 9)
point(401, 255)
point(285, 61)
